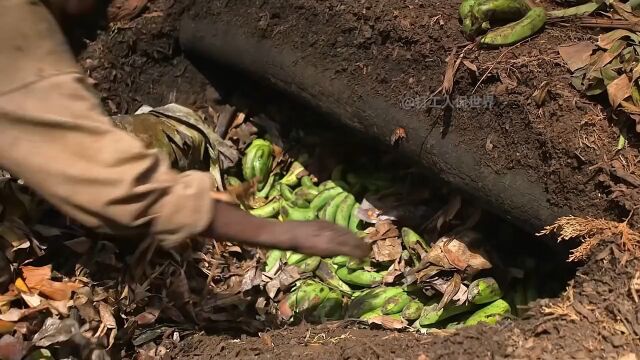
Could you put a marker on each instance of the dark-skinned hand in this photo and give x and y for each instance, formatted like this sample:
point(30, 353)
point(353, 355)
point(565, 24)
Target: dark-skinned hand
point(319, 238)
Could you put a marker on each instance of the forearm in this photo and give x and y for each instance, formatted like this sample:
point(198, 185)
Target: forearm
point(54, 136)
point(233, 224)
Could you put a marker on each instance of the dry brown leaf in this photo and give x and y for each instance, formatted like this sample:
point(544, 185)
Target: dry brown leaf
point(106, 315)
point(14, 314)
point(456, 250)
point(39, 279)
point(452, 288)
point(148, 317)
point(35, 277)
point(453, 257)
point(611, 54)
point(245, 133)
point(178, 291)
point(387, 250)
point(55, 331)
point(6, 327)
point(383, 229)
point(389, 322)
point(61, 307)
point(59, 291)
point(32, 300)
point(619, 90)
point(607, 40)
point(576, 55)
point(470, 66)
point(541, 93)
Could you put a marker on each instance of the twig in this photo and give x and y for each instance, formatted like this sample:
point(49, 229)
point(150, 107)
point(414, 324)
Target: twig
point(493, 65)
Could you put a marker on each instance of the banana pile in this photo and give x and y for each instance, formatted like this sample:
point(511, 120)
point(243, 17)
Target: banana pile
point(342, 287)
point(480, 16)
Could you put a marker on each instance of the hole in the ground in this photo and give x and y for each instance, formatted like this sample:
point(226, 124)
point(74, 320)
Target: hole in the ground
point(527, 267)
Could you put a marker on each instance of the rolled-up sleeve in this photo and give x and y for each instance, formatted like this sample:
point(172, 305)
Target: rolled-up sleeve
point(55, 136)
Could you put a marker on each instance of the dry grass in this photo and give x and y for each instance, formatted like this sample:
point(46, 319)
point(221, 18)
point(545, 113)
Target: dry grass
point(592, 232)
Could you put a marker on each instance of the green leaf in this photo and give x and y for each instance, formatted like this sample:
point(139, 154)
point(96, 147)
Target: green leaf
point(596, 88)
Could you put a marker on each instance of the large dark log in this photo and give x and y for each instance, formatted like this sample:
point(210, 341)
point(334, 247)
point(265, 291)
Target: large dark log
point(511, 195)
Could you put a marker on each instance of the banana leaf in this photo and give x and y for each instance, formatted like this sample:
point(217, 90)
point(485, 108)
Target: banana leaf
point(181, 135)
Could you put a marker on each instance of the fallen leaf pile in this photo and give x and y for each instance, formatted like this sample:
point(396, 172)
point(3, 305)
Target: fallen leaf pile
point(612, 65)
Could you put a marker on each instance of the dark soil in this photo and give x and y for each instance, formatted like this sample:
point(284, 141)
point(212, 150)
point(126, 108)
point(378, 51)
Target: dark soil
point(399, 50)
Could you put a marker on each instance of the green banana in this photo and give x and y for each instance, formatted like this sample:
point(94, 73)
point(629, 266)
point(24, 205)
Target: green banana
point(340, 260)
point(295, 258)
point(307, 182)
point(344, 211)
point(275, 191)
point(485, 12)
point(485, 290)
point(412, 310)
point(248, 171)
point(465, 8)
point(308, 265)
point(455, 325)
point(371, 300)
point(410, 239)
point(290, 212)
point(327, 273)
point(300, 204)
point(331, 308)
point(266, 189)
point(431, 315)
point(371, 314)
point(257, 161)
point(231, 181)
point(306, 297)
point(273, 258)
point(356, 264)
point(378, 312)
point(293, 175)
point(268, 210)
point(360, 277)
point(326, 185)
point(490, 314)
point(286, 192)
point(306, 194)
point(324, 196)
point(354, 220)
point(395, 304)
point(516, 31)
point(332, 207)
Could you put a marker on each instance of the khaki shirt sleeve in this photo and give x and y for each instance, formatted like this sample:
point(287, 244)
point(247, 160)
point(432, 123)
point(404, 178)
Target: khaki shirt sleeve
point(55, 136)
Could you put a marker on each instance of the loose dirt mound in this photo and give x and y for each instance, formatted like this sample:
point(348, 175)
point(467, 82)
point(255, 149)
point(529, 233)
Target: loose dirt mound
point(399, 51)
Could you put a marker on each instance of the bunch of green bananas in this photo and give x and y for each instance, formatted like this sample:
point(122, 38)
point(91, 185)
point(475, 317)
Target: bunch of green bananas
point(480, 16)
point(397, 302)
point(332, 288)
